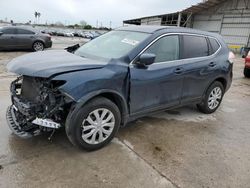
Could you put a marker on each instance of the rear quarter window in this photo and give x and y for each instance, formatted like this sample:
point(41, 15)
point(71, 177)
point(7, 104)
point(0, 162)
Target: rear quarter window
point(214, 45)
point(194, 46)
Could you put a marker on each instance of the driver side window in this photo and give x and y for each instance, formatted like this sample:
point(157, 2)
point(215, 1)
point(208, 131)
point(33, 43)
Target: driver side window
point(165, 49)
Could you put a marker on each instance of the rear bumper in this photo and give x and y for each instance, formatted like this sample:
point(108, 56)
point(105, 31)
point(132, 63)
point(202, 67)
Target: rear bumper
point(229, 78)
point(48, 44)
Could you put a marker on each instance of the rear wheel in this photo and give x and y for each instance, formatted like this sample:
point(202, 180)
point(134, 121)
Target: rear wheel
point(247, 72)
point(38, 46)
point(212, 99)
point(95, 124)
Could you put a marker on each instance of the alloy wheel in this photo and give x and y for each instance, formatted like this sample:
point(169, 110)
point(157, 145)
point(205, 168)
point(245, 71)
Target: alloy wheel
point(214, 98)
point(38, 46)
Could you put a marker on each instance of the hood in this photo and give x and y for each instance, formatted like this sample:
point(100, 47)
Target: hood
point(51, 62)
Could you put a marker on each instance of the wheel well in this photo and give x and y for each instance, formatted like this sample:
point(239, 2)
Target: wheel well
point(223, 81)
point(38, 41)
point(120, 103)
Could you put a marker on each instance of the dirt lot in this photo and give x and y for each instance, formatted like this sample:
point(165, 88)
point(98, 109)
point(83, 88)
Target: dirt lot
point(58, 43)
point(177, 148)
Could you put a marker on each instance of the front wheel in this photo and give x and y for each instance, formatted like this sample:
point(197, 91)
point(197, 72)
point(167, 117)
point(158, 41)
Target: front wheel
point(95, 124)
point(247, 72)
point(212, 99)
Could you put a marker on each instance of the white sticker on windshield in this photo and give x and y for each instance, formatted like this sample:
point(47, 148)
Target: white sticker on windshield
point(130, 41)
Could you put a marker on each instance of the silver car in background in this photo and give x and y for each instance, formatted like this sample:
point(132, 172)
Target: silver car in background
point(16, 38)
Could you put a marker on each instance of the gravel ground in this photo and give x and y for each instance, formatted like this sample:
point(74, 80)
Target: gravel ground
point(58, 43)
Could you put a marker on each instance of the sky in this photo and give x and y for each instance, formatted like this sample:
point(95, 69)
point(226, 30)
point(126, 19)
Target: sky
point(91, 11)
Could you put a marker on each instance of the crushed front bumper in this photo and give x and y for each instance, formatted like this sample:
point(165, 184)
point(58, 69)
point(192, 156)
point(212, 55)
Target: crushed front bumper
point(38, 124)
point(14, 125)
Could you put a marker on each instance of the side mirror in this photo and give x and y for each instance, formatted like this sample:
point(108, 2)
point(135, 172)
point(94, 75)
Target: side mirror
point(147, 59)
point(1, 33)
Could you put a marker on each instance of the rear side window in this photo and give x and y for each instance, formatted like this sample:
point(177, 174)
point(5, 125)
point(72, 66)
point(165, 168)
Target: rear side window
point(24, 32)
point(194, 46)
point(165, 49)
point(9, 31)
point(214, 45)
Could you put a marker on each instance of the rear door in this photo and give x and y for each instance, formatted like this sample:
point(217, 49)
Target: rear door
point(25, 38)
point(8, 39)
point(160, 84)
point(199, 64)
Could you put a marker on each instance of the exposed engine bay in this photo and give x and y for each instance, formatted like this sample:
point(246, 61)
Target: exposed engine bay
point(37, 106)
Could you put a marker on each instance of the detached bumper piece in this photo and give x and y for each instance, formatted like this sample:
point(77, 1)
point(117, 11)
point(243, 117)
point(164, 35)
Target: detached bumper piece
point(46, 123)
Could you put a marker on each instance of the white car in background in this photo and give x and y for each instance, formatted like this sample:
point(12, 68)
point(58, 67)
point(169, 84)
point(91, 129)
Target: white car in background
point(69, 34)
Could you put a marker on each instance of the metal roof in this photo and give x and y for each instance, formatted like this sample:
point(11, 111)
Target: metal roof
point(201, 6)
point(190, 10)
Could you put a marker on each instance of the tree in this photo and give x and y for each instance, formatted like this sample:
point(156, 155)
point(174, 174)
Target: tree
point(36, 14)
point(87, 27)
point(83, 23)
point(59, 23)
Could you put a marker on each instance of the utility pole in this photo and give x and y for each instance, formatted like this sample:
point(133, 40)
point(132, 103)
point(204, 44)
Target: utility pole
point(179, 19)
point(110, 24)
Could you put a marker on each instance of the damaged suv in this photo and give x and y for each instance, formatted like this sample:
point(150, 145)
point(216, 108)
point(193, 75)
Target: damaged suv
point(116, 78)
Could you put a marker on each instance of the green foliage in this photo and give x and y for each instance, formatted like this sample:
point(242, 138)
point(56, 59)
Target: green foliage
point(87, 27)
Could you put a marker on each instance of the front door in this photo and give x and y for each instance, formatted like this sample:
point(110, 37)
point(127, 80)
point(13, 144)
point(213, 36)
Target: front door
point(158, 85)
point(24, 38)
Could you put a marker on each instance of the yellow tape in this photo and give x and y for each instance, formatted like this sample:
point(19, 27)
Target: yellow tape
point(235, 46)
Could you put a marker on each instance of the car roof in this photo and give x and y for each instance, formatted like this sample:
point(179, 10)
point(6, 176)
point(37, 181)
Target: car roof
point(21, 27)
point(166, 29)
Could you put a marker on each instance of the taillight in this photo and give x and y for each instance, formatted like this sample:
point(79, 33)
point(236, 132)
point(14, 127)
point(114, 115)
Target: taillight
point(231, 57)
point(48, 35)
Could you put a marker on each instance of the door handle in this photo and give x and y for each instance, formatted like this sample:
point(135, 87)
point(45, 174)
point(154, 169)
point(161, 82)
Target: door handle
point(178, 70)
point(212, 64)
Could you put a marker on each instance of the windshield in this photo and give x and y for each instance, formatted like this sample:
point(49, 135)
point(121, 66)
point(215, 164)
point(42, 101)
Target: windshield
point(113, 44)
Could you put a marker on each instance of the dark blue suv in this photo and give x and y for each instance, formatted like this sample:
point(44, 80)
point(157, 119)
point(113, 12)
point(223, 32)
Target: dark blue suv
point(120, 76)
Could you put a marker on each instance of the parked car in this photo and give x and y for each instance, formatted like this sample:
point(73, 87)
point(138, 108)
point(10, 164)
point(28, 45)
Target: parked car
point(69, 34)
point(60, 33)
point(77, 33)
point(247, 66)
point(88, 35)
point(12, 38)
point(95, 34)
point(120, 76)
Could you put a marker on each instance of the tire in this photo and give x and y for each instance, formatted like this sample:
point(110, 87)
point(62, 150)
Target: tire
point(212, 99)
point(247, 72)
point(38, 46)
point(85, 118)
